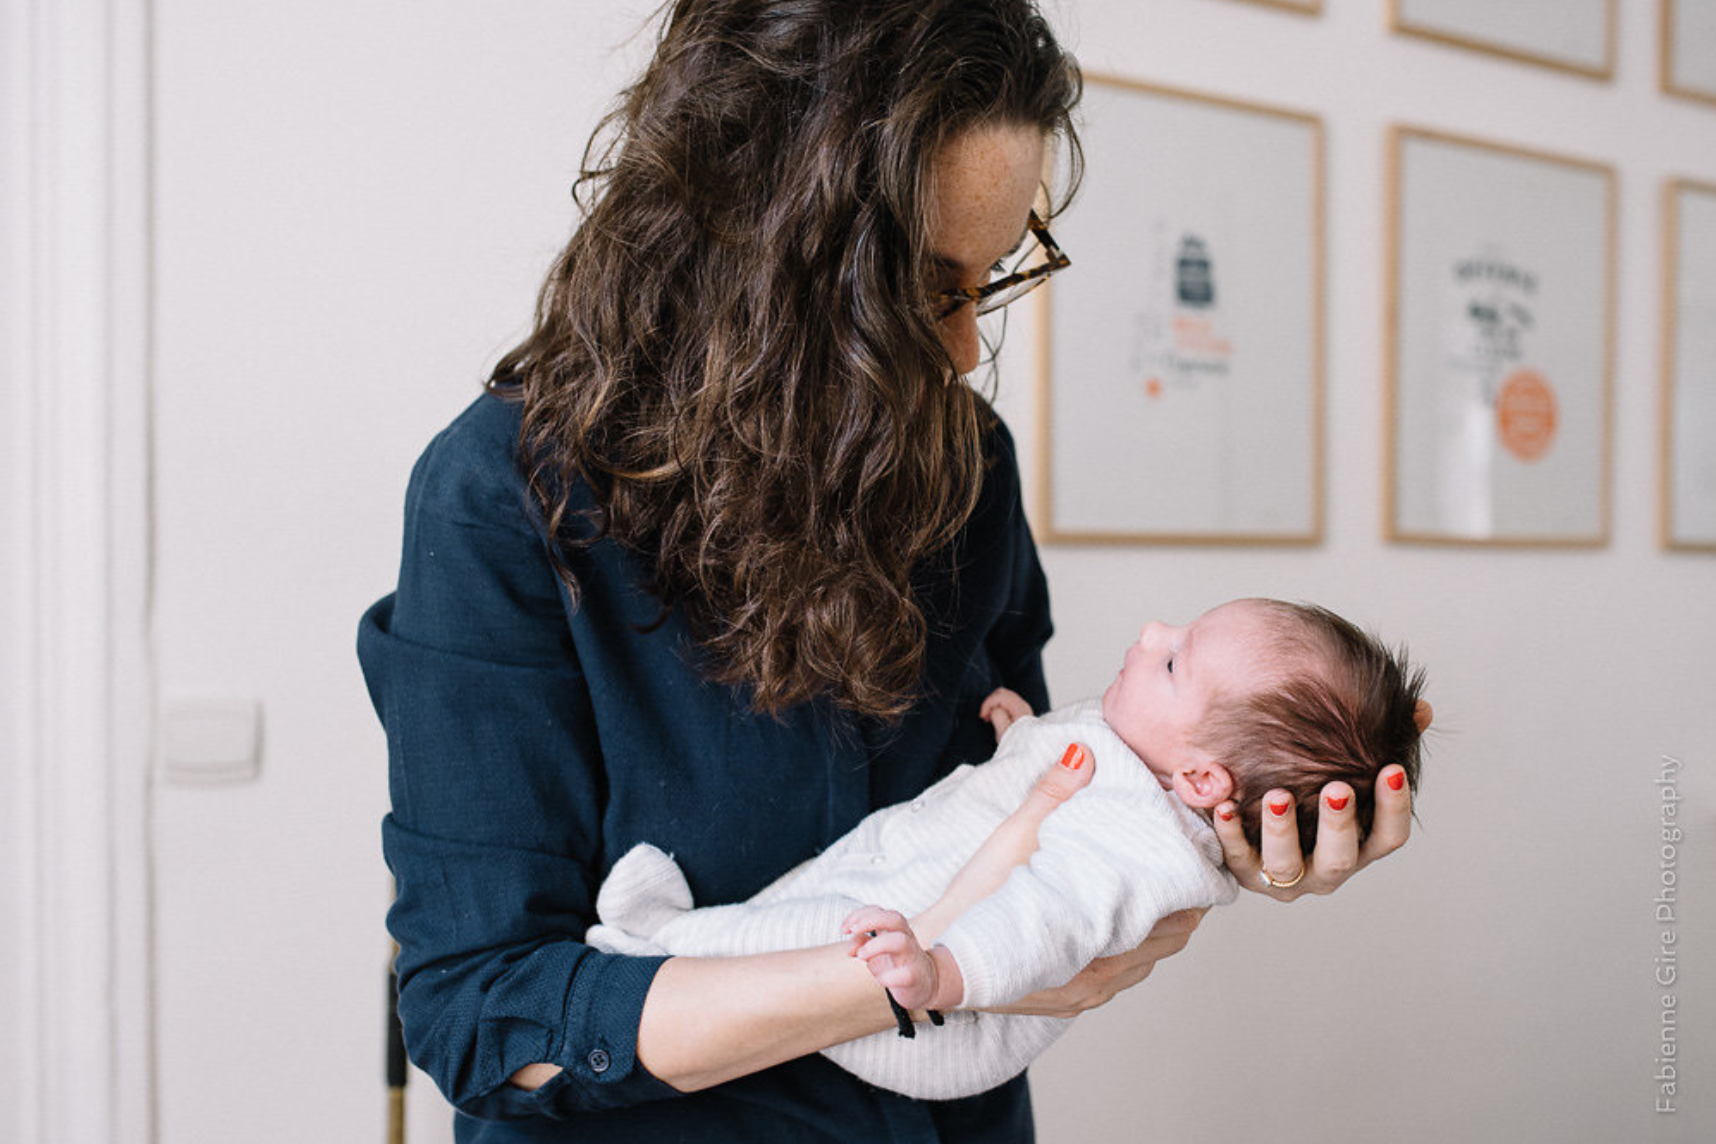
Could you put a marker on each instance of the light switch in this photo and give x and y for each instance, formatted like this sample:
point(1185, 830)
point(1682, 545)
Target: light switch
point(210, 740)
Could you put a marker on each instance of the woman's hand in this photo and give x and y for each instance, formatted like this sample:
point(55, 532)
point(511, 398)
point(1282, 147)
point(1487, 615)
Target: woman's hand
point(1100, 981)
point(1337, 856)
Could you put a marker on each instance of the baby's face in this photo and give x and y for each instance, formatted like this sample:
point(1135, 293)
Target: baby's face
point(1172, 674)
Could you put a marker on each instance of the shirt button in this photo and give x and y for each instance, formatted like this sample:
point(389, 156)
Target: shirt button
point(598, 1061)
point(917, 805)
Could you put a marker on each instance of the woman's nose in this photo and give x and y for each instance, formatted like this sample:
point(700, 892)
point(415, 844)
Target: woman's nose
point(959, 336)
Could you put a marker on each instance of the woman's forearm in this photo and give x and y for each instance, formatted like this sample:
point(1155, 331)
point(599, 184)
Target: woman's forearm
point(709, 1020)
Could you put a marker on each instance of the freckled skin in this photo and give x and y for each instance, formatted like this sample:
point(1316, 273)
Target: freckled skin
point(985, 181)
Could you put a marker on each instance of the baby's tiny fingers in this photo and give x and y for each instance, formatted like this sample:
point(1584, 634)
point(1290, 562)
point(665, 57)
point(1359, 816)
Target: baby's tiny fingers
point(854, 921)
point(872, 918)
point(889, 945)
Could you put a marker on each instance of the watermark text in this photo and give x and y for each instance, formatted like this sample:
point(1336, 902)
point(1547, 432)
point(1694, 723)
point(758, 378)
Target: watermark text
point(1665, 914)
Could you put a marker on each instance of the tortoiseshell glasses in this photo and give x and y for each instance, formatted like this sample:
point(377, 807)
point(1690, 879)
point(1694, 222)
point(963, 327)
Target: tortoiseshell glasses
point(994, 295)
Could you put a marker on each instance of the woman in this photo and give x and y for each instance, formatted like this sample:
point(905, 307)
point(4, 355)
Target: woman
point(727, 558)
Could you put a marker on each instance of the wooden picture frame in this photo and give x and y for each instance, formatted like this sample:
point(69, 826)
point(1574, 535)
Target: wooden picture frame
point(1688, 484)
point(1500, 344)
point(1686, 53)
point(1304, 7)
point(1180, 373)
point(1576, 36)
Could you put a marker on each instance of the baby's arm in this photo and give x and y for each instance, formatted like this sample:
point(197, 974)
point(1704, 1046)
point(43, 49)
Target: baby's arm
point(1112, 863)
point(887, 945)
point(1002, 708)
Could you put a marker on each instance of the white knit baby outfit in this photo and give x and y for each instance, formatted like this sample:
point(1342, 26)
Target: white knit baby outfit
point(1120, 855)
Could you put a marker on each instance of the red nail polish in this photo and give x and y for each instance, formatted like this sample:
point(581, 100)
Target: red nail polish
point(1396, 780)
point(1226, 814)
point(1279, 808)
point(1074, 758)
point(1338, 803)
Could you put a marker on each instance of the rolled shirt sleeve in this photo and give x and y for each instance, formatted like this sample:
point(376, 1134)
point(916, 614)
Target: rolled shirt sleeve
point(496, 782)
point(492, 973)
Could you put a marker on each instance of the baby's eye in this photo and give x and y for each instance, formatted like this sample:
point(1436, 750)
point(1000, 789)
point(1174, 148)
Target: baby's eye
point(1170, 665)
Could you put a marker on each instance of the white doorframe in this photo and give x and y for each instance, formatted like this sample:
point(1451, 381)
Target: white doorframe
point(75, 944)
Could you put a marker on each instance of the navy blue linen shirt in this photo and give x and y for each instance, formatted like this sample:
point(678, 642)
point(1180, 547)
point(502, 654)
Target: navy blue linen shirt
point(532, 743)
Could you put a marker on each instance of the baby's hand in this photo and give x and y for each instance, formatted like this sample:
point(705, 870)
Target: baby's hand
point(1001, 708)
point(917, 979)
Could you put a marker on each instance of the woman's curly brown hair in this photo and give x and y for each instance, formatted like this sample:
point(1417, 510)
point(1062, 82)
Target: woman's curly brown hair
point(735, 352)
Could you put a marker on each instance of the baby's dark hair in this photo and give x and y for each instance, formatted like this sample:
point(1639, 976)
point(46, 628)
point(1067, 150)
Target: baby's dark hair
point(1344, 707)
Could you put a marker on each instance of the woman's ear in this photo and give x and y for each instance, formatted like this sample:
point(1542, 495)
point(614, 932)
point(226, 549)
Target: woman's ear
point(1203, 784)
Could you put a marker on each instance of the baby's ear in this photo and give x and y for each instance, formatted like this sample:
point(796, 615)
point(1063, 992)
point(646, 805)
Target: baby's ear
point(1203, 784)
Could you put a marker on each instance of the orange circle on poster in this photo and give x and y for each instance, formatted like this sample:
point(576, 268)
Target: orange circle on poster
point(1526, 415)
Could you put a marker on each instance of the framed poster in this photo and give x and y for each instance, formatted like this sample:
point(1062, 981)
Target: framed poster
point(1180, 382)
point(1688, 49)
point(1689, 368)
point(1500, 344)
point(1573, 35)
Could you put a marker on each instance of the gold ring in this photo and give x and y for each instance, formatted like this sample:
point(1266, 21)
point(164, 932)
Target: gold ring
point(1274, 885)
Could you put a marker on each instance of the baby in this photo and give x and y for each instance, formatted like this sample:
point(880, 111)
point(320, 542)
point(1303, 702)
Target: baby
point(1252, 696)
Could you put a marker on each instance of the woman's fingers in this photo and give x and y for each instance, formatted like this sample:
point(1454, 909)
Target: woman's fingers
point(1393, 821)
point(1336, 855)
point(1103, 979)
point(1168, 937)
point(1177, 928)
point(1237, 855)
point(1282, 859)
point(1060, 782)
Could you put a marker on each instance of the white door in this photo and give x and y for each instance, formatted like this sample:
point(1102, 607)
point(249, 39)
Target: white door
point(353, 207)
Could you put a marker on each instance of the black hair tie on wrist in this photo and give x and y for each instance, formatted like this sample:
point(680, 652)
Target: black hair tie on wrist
point(903, 1019)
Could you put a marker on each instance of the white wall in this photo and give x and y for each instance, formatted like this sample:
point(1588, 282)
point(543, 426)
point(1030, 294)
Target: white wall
point(1493, 981)
point(354, 205)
